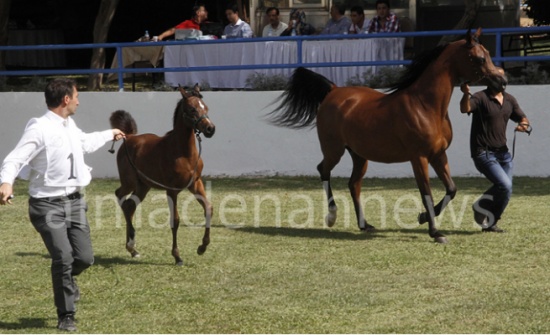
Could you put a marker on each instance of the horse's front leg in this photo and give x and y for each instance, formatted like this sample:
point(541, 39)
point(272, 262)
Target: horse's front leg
point(172, 197)
point(440, 165)
point(421, 174)
point(198, 190)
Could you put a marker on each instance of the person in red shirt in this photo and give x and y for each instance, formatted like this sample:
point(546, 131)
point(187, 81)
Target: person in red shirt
point(199, 15)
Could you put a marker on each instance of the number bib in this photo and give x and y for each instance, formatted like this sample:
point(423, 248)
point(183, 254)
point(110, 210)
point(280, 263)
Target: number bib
point(66, 165)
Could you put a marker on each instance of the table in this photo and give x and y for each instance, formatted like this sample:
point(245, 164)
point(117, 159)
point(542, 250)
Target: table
point(133, 55)
point(226, 54)
point(36, 58)
point(275, 52)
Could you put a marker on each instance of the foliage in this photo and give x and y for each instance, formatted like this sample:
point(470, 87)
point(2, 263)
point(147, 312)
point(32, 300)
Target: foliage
point(539, 11)
point(383, 78)
point(262, 275)
point(531, 75)
point(263, 82)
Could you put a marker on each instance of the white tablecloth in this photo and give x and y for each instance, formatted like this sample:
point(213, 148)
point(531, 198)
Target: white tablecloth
point(274, 52)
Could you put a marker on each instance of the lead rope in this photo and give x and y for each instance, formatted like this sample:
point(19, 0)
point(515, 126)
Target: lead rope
point(528, 131)
point(197, 135)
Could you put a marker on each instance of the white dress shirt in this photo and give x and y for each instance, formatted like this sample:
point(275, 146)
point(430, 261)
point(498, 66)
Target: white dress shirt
point(53, 149)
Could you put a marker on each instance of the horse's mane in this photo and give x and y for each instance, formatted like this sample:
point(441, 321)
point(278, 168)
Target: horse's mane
point(419, 64)
point(179, 108)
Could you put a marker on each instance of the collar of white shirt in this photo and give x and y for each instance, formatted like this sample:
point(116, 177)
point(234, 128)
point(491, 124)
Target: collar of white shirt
point(238, 23)
point(56, 118)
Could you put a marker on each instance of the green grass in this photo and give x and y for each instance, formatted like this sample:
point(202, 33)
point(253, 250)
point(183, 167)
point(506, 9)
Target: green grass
point(265, 273)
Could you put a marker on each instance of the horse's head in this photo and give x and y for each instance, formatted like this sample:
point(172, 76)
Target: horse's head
point(478, 66)
point(195, 112)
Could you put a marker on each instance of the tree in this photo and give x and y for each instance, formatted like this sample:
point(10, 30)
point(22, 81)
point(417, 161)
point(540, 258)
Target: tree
point(103, 21)
point(467, 20)
point(539, 11)
point(4, 19)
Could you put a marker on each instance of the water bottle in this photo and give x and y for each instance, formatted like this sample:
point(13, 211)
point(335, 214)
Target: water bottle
point(146, 36)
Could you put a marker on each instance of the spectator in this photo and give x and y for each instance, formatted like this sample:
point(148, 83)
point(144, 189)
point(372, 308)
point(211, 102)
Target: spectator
point(53, 148)
point(199, 15)
point(359, 23)
point(384, 21)
point(236, 27)
point(338, 22)
point(275, 26)
point(298, 21)
point(491, 111)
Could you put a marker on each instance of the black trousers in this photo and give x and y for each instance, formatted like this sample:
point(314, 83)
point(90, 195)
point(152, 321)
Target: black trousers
point(65, 231)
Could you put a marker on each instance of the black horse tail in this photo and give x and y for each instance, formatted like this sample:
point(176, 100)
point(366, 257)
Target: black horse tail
point(301, 99)
point(124, 121)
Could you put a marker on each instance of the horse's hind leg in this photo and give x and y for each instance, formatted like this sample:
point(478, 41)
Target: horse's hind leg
point(359, 169)
point(129, 208)
point(198, 190)
point(441, 168)
point(330, 159)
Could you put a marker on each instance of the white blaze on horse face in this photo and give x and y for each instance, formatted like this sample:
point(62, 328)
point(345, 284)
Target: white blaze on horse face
point(201, 104)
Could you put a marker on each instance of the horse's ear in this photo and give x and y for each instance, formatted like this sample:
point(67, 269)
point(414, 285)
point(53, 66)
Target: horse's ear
point(197, 88)
point(472, 38)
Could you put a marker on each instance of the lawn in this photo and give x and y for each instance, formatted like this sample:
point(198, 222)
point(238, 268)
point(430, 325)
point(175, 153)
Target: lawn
point(273, 267)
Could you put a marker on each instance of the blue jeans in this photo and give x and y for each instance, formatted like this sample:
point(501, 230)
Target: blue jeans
point(497, 167)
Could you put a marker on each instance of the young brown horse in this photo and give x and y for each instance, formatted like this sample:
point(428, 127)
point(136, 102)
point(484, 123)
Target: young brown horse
point(409, 124)
point(171, 162)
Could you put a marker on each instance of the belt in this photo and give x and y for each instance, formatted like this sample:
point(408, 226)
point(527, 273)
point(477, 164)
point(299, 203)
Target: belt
point(72, 196)
point(491, 149)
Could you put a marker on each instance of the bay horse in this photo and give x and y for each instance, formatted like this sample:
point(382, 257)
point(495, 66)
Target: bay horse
point(411, 123)
point(171, 163)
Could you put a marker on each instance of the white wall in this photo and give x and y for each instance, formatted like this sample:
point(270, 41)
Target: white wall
point(245, 144)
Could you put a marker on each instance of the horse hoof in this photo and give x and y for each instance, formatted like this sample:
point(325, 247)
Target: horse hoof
point(179, 263)
point(330, 219)
point(201, 249)
point(441, 240)
point(135, 254)
point(422, 218)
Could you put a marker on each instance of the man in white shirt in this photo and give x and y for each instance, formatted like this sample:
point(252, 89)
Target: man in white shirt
point(236, 27)
point(275, 26)
point(53, 147)
point(359, 23)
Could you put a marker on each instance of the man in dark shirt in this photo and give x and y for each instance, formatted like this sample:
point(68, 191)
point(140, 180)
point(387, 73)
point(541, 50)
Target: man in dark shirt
point(491, 111)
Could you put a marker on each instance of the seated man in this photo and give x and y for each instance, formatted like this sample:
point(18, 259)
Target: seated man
point(359, 23)
point(275, 26)
point(384, 21)
point(236, 27)
point(298, 22)
point(338, 22)
point(199, 15)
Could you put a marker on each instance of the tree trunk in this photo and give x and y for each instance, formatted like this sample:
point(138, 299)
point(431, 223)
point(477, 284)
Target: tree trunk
point(101, 29)
point(4, 20)
point(467, 20)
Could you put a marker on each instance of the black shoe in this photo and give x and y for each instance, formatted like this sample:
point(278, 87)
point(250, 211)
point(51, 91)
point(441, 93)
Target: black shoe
point(76, 291)
point(479, 218)
point(66, 323)
point(492, 229)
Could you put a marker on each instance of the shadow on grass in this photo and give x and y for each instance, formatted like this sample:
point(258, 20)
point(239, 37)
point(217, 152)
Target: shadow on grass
point(317, 233)
point(109, 262)
point(24, 323)
point(31, 254)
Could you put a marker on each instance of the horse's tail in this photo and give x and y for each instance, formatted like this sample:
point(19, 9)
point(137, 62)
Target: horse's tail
point(301, 99)
point(124, 121)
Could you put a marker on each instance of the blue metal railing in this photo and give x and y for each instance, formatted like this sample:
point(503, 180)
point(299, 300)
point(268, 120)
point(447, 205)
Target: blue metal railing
point(498, 58)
